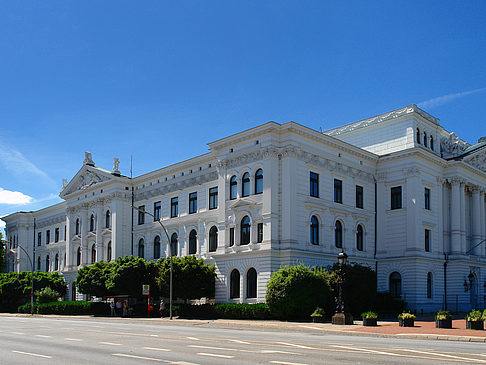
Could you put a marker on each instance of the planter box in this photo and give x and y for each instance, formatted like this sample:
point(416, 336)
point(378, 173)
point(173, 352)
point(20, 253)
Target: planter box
point(370, 322)
point(406, 322)
point(318, 319)
point(443, 323)
point(475, 325)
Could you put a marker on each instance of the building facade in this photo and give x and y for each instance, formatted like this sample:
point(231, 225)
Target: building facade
point(396, 192)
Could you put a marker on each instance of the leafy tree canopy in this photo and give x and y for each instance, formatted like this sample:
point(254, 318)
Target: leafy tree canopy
point(93, 279)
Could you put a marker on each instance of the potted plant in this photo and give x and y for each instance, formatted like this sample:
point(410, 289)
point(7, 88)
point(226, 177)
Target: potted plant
point(443, 319)
point(318, 315)
point(369, 318)
point(406, 319)
point(475, 320)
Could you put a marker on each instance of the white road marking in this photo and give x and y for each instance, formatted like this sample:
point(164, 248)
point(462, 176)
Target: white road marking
point(43, 336)
point(298, 346)
point(183, 363)
point(278, 352)
point(286, 363)
point(31, 354)
point(239, 341)
point(445, 355)
point(215, 355)
point(193, 338)
point(314, 328)
point(18, 333)
point(110, 343)
point(140, 357)
point(212, 348)
point(156, 349)
point(72, 339)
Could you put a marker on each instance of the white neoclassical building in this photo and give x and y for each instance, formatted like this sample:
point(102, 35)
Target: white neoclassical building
point(396, 192)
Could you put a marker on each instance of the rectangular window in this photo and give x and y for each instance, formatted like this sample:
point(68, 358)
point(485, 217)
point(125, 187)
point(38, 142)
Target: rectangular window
point(39, 238)
point(396, 197)
point(427, 198)
point(338, 191)
point(141, 215)
point(259, 232)
point(314, 184)
point(192, 203)
point(56, 235)
point(157, 207)
point(232, 236)
point(359, 197)
point(427, 240)
point(48, 236)
point(213, 198)
point(174, 207)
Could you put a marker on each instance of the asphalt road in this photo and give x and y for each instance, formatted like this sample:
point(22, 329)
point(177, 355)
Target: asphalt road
point(82, 340)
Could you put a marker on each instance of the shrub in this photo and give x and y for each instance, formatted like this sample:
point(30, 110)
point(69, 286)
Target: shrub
point(475, 316)
point(25, 308)
point(319, 312)
point(242, 311)
point(73, 308)
point(406, 315)
point(295, 291)
point(442, 315)
point(47, 295)
point(370, 315)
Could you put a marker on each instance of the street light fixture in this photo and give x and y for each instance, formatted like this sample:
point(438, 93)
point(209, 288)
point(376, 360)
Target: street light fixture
point(170, 245)
point(341, 317)
point(31, 278)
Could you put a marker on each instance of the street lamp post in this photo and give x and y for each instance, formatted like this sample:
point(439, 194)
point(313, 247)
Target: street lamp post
point(169, 243)
point(32, 280)
point(341, 317)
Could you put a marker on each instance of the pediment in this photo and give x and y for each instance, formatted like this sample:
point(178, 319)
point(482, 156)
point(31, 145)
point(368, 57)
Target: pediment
point(86, 178)
point(477, 159)
point(243, 203)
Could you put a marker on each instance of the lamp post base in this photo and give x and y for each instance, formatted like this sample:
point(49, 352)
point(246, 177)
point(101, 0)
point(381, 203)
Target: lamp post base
point(342, 319)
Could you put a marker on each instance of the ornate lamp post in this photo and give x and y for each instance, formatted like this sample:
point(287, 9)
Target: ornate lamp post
point(341, 317)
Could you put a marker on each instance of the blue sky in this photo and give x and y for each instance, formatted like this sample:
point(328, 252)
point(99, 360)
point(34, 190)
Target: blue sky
point(160, 79)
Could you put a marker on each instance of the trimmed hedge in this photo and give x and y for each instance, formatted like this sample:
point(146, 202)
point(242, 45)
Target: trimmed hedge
point(68, 307)
point(226, 311)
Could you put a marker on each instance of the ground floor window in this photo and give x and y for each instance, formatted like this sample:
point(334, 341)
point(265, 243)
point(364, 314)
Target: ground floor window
point(234, 284)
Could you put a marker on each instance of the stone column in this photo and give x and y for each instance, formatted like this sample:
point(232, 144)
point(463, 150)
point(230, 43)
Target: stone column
point(463, 217)
point(380, 213)
point(439, 208)
point(476, 221)
point(100, 254)
point(84, 231)
point(413, 192)
point(455, 216)
point(69, 253)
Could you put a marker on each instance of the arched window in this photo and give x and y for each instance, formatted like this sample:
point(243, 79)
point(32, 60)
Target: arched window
point(418, 136)
point(47, 263)
point(425, 139)
point(91, 223)
point(359, 237)
point(245, 230)
point(39, 264)
point(245, 184)
point(314, 230)
point(259, 181)
point(93, 253)
point(338, 234)
point(108, 252)
point(157, 247)
point(234, 284)
point(395, 285)
point(233, 188)
point(78, 257)
point(173, 244)
point(141, 248)
point(431, 143)
point(251, 283)
point(107, 219)
point(76, 229)
point(192, 242)
point(56, 262)
point(429, 285)
point(213, 239)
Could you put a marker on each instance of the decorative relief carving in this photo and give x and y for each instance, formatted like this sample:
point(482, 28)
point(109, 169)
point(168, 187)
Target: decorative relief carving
point(41, 223)
point(411, 171)
point(88, 159)
point(452, 146)
point(478, 160)
point(85, 181)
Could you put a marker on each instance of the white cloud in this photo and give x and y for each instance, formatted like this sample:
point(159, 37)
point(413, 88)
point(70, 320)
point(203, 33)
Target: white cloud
point(441, 100)
point(17, 163)
point(14, 197)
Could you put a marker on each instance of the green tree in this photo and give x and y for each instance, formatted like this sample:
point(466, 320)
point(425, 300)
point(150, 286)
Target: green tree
point(296, 291)
point(129, 273)
point(192, 279)
point(93, 279)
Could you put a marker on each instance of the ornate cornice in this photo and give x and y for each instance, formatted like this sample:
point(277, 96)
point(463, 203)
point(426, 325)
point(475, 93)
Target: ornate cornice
point(42, 223)
point(478, 160)
point(411, 171)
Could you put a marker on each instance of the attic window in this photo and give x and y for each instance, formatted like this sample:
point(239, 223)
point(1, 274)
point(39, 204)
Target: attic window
point(339, 155)
point(126, 187)
point(257, 141)
point(173, 176)
point(231, 150)
point(166, 178)
point(190, 171)
point(200, 168)
point(101, 191)
point(182, 173)
point(209, 165)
